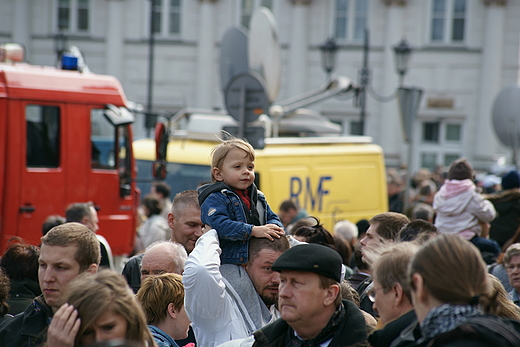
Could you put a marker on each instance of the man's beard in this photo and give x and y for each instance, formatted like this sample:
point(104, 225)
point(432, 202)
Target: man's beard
point(269, 299)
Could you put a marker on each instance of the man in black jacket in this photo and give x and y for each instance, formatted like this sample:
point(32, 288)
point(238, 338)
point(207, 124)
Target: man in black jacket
point(66, 251)
point(310, 302)
point(391, 294)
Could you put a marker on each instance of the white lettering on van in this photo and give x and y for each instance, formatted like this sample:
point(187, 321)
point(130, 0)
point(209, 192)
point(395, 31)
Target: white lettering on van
point(312, 199)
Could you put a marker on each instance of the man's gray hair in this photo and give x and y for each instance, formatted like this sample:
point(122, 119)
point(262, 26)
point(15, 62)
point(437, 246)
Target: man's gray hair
point(346, 230)
point(175, 250)
point(511, 251)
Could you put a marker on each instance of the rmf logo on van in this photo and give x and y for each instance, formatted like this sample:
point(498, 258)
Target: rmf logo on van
point(309, 195)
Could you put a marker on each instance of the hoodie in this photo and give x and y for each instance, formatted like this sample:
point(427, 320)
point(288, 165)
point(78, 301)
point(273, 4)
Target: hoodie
point(460, 208)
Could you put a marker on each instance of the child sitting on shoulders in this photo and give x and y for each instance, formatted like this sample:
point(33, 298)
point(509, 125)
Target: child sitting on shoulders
point(461, 209)
point(232, 205)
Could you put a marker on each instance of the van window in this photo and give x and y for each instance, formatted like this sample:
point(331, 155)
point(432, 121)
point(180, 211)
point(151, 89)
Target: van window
point(180, 176)
point(43, 136)
point(103, 138)
point(123, 149)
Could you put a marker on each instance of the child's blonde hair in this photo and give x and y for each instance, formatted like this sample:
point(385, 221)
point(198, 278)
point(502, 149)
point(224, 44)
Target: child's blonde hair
point(219, 152)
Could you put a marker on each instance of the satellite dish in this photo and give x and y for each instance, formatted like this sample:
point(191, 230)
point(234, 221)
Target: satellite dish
point(506, 116)
point(264, 50)
point(233, 55)
point(246, 98)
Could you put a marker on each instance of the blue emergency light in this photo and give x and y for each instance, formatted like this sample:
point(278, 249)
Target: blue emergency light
point(69, 62)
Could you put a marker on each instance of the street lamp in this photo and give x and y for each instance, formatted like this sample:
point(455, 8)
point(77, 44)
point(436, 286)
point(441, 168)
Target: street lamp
point(409, 100)
point(150, 118)
point(402, 58)
point(60, 44)
point(328, 55)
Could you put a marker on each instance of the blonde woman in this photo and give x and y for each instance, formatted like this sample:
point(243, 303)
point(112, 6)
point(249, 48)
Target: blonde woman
point(162, 299)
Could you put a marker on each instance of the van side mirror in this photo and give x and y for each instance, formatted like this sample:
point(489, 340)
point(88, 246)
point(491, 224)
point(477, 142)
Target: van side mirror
point(159, 170)
point(161, 146)
point(118, 115)
point(125, 190)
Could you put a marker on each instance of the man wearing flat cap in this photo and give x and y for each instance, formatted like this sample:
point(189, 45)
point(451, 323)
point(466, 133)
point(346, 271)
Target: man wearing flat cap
point(312, 312)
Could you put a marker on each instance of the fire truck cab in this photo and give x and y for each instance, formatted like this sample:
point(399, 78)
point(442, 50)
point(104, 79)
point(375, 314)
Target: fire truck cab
point(65, 137)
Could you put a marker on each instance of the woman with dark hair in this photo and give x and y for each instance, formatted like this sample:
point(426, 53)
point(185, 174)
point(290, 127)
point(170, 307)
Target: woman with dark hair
point(20, 264)
point(316, 233)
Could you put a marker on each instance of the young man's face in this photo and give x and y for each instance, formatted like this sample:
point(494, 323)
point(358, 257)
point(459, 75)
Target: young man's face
point(92, 221)
point(371, 239)
point(237, 171)
point(264, 279)
point(186, 228)
point(57, 267)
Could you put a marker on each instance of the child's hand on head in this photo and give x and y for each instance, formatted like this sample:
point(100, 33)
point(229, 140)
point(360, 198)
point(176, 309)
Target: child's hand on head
point(268, 231)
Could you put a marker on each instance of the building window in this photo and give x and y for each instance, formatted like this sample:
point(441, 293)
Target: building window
point(166, 17)
point(440, 143)
point(355, 128)
point(351, 19)
point(175, 17)
point(449, 158)
point(247, 8)
point(448, 21)
point(429, 160)
point(43, 136)
point(431, 132)
point(453, 132)
point(73, 15)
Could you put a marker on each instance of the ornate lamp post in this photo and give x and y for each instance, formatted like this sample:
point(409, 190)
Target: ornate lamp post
point(60, 45)
point(328, 55)
point(402, 58)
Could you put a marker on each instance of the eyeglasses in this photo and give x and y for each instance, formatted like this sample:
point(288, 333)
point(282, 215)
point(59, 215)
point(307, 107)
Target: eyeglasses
point(371, 293)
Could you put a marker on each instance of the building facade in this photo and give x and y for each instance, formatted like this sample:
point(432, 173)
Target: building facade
point(465, 53)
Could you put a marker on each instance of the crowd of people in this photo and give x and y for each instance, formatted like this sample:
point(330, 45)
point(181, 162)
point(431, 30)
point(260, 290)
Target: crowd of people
point(218, 267)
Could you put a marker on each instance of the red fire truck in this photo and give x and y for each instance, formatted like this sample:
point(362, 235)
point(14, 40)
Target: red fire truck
point(65, 136)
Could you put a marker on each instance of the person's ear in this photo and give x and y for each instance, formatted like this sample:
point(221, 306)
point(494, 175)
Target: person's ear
point(85, 220)
point(398, 293)
point(215, 171)
point(244, 266)
point(332, 293)
point(93, 268)
point(170, 311)
point(171, 220)
point(420, 289)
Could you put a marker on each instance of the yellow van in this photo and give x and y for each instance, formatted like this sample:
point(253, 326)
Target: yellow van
point(331, 177)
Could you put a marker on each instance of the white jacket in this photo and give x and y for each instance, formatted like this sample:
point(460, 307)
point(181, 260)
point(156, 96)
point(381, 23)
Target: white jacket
point(217, 313)
point(459, 208)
